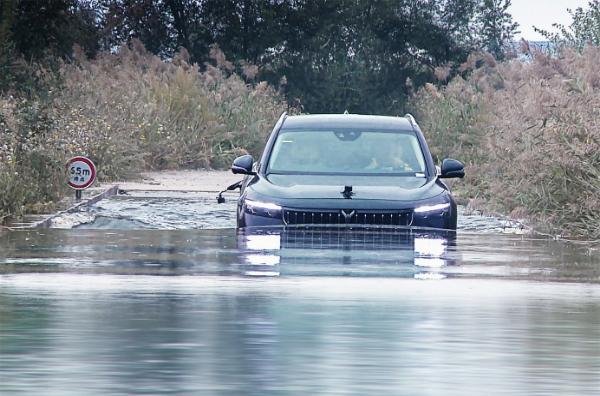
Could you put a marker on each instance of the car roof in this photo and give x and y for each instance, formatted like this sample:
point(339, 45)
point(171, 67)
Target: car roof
point(358, 121)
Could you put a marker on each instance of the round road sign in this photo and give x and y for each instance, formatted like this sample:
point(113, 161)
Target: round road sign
point(82, 173)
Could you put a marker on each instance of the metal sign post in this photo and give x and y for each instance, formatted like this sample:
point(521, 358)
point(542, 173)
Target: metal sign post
point(82, 174)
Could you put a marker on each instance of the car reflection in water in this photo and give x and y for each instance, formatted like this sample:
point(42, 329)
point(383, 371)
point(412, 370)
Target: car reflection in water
point(418, 253)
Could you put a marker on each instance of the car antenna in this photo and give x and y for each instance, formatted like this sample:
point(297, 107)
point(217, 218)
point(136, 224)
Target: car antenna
point(347, 193)
point(346, 111)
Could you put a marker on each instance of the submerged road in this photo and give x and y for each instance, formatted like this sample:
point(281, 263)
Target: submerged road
point(153, 294)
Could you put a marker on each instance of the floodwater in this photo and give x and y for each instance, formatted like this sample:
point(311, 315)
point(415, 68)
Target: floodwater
point(134, 302)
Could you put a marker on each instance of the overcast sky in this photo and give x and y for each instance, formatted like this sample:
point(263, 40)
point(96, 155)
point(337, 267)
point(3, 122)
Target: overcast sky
point(542, 14)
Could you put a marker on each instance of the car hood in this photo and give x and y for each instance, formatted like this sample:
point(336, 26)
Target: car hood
point(385, 188)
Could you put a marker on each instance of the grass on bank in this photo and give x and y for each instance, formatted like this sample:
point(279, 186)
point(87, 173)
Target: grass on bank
point(529, 132)
point(129, 111)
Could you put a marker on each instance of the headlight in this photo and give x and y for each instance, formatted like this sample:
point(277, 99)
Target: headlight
point(266, 209)
point(432, 208)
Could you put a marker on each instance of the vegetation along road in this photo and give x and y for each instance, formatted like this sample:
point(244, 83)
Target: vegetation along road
point(185, 84)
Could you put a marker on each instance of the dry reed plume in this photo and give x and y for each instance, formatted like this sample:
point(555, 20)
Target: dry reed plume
point(129, 111)
point(529, 132)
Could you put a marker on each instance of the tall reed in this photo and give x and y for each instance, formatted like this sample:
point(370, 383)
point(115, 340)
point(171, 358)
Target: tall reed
point(529, 131)
point(128, 111)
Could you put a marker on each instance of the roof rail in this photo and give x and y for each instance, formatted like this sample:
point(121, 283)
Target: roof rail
point(280, 121)
point(282, 117)
point(410, 119)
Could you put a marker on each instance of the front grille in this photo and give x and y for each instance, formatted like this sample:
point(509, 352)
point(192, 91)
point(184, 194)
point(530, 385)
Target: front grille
point(347, 217)
point(344, 239)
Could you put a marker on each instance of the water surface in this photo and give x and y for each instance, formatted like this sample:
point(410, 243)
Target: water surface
point(131, 305)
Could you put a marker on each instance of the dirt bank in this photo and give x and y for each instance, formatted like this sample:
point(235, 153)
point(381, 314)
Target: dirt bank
point(182, 180)
point(203, 182)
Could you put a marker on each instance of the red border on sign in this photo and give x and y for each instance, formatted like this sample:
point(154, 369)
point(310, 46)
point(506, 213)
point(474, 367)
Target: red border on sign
point(92, 168)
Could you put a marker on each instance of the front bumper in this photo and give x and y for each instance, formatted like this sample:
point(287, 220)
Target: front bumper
point(354, 218)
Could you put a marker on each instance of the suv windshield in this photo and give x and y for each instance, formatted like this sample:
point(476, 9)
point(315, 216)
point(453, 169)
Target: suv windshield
point(347, 152)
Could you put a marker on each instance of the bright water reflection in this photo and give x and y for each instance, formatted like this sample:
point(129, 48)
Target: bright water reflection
point(421, 313)
point(294, 253)
point(381, 253)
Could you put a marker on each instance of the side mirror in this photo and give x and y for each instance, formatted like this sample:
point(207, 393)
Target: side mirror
point(243, 165)
point(452, 168)
point(232, 187)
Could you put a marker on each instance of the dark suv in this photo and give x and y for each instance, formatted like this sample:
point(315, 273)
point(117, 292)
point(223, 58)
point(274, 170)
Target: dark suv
point(346, 170)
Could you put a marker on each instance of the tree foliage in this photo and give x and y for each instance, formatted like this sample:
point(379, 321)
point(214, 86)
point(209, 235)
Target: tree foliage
point(583, 30)
point(51, 27)
point(496, 27)
point(326, 55)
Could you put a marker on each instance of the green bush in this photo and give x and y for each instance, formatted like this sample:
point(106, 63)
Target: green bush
point(31, 168)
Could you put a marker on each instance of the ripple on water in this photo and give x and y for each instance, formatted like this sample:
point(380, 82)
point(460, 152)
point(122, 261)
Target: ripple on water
point(196, 211)
point(182, 211)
